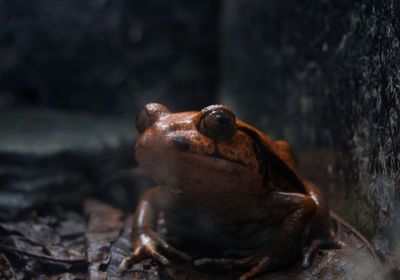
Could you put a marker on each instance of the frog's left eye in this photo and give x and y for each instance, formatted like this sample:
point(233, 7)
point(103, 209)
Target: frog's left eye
point(143, 121)
point(149, 115)
point(218, 124)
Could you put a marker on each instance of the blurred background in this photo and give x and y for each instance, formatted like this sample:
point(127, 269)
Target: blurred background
point(322, 75)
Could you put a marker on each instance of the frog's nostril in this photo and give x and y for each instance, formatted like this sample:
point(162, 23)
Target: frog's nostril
point(181, 142)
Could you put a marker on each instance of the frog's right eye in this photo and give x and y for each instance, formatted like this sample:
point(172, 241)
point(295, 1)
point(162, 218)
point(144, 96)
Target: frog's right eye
point(218, 123)
point(149, 115)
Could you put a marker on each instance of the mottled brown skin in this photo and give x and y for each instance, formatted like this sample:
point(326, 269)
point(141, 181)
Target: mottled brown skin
point(224, 184)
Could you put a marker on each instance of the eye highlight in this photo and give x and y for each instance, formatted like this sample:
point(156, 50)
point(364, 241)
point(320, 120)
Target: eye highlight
point(218, 124)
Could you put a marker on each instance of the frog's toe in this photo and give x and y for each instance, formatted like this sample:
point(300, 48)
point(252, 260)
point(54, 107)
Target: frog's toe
point(157, 256)
point(125, 263)
point(145, 247)
point(173, 251)
point(263, 265)
point(317, 244)
point(138, 255)
point(310, 252)
point(224, 262)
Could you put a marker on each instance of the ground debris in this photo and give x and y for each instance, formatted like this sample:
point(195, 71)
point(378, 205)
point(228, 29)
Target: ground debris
point(44, 246)
point(6, 270)
point(65, 245)
point(104, 228)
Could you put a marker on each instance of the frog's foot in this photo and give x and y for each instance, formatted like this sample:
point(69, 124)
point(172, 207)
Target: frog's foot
point(318, 244)
point(256, 265)
point(262, 265)
point(150, 244)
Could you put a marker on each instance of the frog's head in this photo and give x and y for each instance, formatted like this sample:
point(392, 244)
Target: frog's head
point(196, 152)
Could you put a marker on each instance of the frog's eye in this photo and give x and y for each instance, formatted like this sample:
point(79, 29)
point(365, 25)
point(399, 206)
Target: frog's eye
point(149, 115)
point(143, 121)
point(219, 124)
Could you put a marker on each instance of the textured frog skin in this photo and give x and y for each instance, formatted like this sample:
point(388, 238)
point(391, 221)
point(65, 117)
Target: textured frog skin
point(225, 185)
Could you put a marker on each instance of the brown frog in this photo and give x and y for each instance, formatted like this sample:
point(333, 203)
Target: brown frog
point(224, 185)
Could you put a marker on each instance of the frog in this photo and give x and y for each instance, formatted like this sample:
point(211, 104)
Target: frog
point(225, 185)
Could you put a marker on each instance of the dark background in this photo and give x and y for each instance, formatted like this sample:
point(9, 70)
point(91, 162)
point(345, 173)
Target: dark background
point(323, 75)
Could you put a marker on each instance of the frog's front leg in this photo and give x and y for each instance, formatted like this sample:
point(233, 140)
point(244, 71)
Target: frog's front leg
point(294, 211)
point(146, 242)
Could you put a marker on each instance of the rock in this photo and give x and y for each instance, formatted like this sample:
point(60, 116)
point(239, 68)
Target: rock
point(43, 132)
point(39, 246)
point(67, 245)
point(50, 156)
point(324, 76)
point(109, 57)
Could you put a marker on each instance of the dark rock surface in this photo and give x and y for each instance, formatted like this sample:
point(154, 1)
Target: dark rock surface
point(91, 244)
point(43, 132)
point(48, 156)
point(43, 245)
point(108, 56)
point(324, 75)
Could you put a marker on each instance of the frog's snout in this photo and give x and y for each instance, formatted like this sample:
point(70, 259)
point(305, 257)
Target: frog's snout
point(181, 142)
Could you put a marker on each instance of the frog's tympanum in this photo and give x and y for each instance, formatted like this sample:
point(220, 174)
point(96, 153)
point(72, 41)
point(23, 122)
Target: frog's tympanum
point(226, 186)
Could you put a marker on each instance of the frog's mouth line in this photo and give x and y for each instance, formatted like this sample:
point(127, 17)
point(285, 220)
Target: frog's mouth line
point(217, 154)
